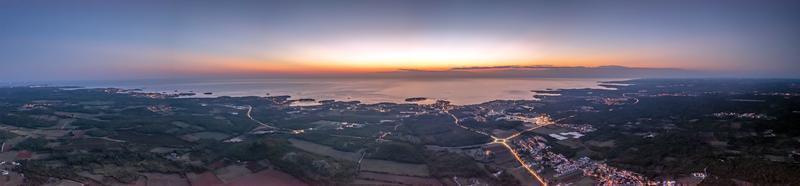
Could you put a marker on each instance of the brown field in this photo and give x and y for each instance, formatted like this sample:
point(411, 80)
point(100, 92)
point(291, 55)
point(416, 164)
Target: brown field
point(608, 143)
point(165, 179)
point(406, 180)
point(361, 182)
point(324, 150)
point(232, 172)
point(204, 179)
point(584, 180)
point(142, 181)
point(522, 176)
point(267, 177)
point(571, 143)
point(93, 177)
point(12, 179)
point(396, 168)
point(68, 183)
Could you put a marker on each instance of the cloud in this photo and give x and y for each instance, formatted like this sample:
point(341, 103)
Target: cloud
point(503, 67)
point(545, 71)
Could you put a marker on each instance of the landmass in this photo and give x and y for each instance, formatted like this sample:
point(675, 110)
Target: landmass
point(639, 132)
point(416, 99)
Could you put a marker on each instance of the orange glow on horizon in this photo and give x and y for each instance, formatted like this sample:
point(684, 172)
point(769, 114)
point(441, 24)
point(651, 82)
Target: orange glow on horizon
point(371, 58)
point(266, 66)
point(415, 53)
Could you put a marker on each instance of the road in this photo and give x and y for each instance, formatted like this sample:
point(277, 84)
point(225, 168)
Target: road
point(636, 100)
point(265, 125)
point(249, 110)
point(504, 142)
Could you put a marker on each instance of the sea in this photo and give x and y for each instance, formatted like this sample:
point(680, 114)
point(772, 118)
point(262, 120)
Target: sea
point(459, 91)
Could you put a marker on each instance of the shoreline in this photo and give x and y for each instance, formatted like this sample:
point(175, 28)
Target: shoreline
point(178, 94)
point(462, 91)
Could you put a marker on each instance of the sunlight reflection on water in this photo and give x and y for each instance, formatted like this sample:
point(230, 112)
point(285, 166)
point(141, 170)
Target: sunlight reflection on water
point(457, 90)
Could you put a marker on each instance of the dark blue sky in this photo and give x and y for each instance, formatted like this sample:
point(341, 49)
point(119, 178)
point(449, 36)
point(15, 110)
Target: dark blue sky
point(75, 40)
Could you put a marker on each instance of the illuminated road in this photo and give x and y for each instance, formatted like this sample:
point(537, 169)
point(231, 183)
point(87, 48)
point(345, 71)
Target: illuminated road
point(249, 110)
point(504, 142)
point(264, 125)
point(636, 100)
point(531, 171)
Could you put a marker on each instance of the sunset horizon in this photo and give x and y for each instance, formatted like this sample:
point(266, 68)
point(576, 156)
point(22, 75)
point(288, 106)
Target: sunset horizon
point(130, 40)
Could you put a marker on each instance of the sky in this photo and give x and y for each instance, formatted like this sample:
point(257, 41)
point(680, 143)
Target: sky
point(97, 40)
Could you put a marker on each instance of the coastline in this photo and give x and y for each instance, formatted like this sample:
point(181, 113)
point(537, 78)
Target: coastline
point(457, 91)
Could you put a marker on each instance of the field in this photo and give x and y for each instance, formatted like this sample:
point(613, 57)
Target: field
point(324, 150)
point(372, 183)
point(204, 179)
point(205, 135)
point(267, 177)
point(604, 144)
point(231, 172)
point(406, 180)
point(165, 179)
point(550, 129)
point(151, 139)
point(382, 166)
point(523, 176)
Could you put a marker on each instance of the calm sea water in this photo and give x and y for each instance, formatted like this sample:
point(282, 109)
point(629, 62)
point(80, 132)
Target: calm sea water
point(457, 90)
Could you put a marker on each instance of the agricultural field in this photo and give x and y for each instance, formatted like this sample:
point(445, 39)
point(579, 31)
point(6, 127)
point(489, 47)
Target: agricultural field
point(395, 168)
point(324, 150)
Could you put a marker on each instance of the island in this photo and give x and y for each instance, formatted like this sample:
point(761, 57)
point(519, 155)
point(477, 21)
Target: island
point(416, 99)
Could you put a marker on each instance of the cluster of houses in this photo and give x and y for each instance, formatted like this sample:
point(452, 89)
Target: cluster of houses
point(538, 155)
